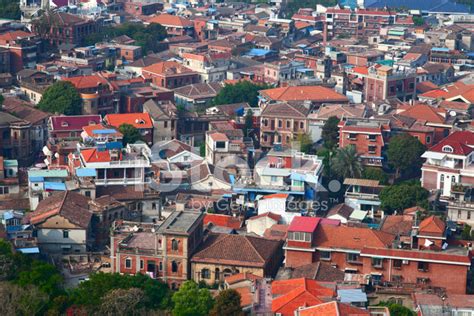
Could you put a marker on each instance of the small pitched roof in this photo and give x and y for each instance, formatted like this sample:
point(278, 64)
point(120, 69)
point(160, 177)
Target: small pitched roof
point(73, 122)
point(333, 308)
point(236, 250)
point(304, 224)
point(341, 209)
point(397, 224)
point(167, 68)
point(426, 113)
point(303, 93)
point(343, 237)
point(70, 205)
point(432, 226)
point(461, 142)
point(137, 120)
point(86, 82)
point(222, 220)
point(171, 20)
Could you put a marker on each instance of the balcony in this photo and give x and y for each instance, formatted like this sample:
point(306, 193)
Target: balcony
point(120, 181)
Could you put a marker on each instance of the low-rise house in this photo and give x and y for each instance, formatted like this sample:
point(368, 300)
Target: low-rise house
point(161, 251)
point(340, 212)
point(170, 74)
point(453, 304)
point(217, 259)
point(290, 295)
point(368, 136)
point(41, 183)
point(175, 152)
point(212, 67)
point(70, 126)
point(314, 94)
point(165, 119)
point(175, 25)
point(9, 182)
point(16, 142)
point(141, 121)
point(363, 195)
point(99, 135)
point(196, 96)
point(205, 177)
point(334, 308)
point(62, 224)
point(34, 84)
point(220, 150)
point(449, 163)
point(260, 223)
point(96, 94)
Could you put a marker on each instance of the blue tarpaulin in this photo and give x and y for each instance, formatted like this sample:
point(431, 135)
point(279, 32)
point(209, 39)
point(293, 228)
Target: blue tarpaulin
point(55, 186)
point(104, 131)
point(86, 172)
point(29, 250)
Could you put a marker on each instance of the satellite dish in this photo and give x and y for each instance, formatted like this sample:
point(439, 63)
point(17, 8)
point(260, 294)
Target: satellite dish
point(452, 113)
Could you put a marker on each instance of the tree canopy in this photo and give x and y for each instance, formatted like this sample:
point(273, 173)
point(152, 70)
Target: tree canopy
point(190, 300)
point(147, 37)
point(227, 303)
point(397, 309)
point(330, 132)
point(373, 173)
point(306, 143)
point(346, 163)
point(404, 154)
point(402, 196)
point(242, 91)
point(62, 98)
point(10, 9)
point(131, 135)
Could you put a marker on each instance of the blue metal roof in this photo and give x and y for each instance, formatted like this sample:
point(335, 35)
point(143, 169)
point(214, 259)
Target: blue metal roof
point(352, 296)
point(8, 215)
point(55, 186)
point(86, 172)
point(114, 145)
point(29, 250)
point(258, 52)
point(36, 179)
point(440, 49)
point(104, 131)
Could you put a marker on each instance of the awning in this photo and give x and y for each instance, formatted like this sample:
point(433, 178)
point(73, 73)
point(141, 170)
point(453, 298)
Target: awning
point(358, 215)
point(29, 250)
point(433, 155)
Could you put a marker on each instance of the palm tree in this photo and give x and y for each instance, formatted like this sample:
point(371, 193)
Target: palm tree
point(346, 163)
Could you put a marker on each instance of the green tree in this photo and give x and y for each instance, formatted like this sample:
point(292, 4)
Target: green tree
point(228, 303)
point(90, 293)
point(190, 300)
point(248, 125)
point(466, 232)
point(306, 143)
point(346, 163)
point(375, 174)
point(10, 9)
point(418, 20)
point(404, 195)
point(404, 154)
point(62, 98)
point(330, 132)
point(397, 309)
point(44, 276)
point(243, 91)
point(131, 135)
point(24, 301)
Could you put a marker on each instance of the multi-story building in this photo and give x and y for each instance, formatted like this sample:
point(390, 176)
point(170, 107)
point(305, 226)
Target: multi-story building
point(15, 139)
point(64, 127)
point(211, 67)
point(42, 183)
point(114, 166)
point(174, 25)
point(369, 137)
point(9, 182)
point(283, 170)
point(96, 94)
point(449, 163)
point(170, 74)
point(219, 148)
point(368, 253)
point(282, 70)
point(165, 119)
point(23, 50)
point(162, 251)
point(65, 28)
point(363, 195)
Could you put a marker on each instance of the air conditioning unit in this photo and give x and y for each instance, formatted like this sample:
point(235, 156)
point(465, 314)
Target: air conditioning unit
point(405, 262)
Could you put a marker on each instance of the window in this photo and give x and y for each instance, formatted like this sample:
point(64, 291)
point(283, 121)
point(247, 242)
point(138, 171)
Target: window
point(352, 257)
point(299, 236)
point(372, 149)
point(87, 193)
point(65, 234)
point(352, 136)
point(142, 264)
point(459, 213)
point(372, 138)
point(397, 264)
point(220, 144)
point(447, 149)
point(301, 125)
point(325, 255)
point(174, 267)
point(377, 262)
point(174, 245)
point(428, 139)
point(423, 266)
point(128, 263)
point(161, 266)
point(288, 124)
point(205, 273)
point(397, 278)
point(468, 215)
point(280, 123)
point(273, 179)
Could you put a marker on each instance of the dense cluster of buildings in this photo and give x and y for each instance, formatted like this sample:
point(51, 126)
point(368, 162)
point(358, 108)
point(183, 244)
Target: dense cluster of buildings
point(223, 194)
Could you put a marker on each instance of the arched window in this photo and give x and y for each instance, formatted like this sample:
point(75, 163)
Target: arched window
point(218, 274)
point(174, 266)
point(174, 245)
point(205, 273)
point(447, 149)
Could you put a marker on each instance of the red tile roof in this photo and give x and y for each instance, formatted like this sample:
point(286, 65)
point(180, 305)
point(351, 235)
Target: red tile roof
point(417, 255)
point(222, 220)
point(291, 294)
point(138, 120)
point(333, 309)
point(271, 215)
point(90, 130)
point(171, 20)
point(276, 196)
point(235, 278)
point(343, 237)
point(95, 155)
point(460, 141)
point(361, 70)
point(432, 226)
point(304, 224)
point(86, 82)
point(303, 93)
point(167, 68)
point(14, 35)
point(426, 113)
point(73, 122)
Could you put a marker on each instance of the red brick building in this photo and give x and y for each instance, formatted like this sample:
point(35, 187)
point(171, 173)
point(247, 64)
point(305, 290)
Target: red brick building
point(160, 251)
point(174, 25)
point(170, 74)
point(369, 137)
point(23, 48)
